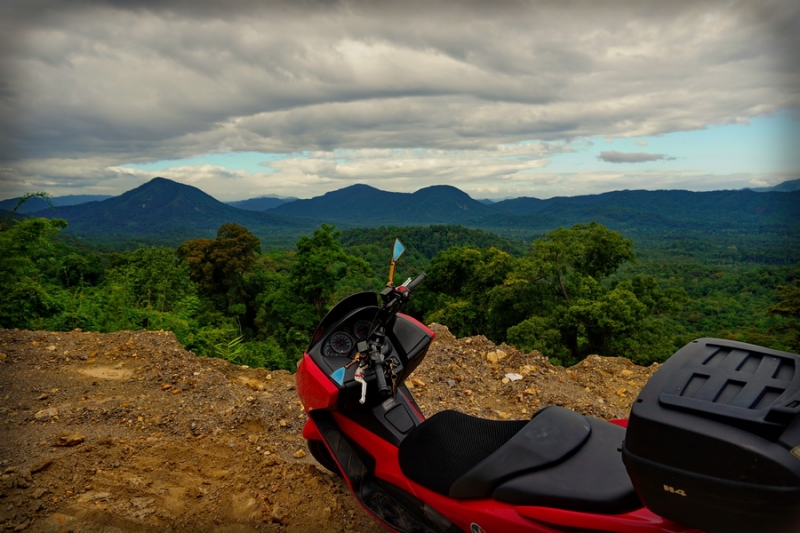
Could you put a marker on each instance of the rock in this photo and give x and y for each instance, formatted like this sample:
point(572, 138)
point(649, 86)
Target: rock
point(26, 476)
point(94, 496)
point(46, 414)
point(299, 454)
point(41, 465)
point(69, 439)
point(51, 348)
point(280, 514)
point(496, 356)
point(142, 503)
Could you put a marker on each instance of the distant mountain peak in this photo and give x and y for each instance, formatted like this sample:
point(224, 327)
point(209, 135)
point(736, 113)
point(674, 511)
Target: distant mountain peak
point(358, 188)
point(443, 191)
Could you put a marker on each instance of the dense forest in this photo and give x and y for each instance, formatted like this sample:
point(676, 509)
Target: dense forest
point(572, 292)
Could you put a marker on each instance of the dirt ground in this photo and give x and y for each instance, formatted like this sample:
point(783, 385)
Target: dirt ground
point(128, 432)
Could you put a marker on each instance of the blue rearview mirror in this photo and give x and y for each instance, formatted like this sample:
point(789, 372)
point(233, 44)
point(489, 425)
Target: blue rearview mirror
point(398, 250)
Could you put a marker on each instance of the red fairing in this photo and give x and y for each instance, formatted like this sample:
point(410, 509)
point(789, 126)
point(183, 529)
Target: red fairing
point(311, 431)
point(419, 324)
point(315, 389)
point(639, 521)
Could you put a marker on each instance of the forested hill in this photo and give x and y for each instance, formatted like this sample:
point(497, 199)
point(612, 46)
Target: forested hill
point(740, 211)
point(166, 210)
point(365, 206)
point(33, 204)
point(262, 203)
point(765, 222)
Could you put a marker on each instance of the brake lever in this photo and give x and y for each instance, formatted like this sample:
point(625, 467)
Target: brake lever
point(359, 377)
point(392, 374)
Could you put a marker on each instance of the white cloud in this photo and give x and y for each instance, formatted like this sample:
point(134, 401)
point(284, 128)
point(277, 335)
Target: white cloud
point(93, 87)
point(631, 157)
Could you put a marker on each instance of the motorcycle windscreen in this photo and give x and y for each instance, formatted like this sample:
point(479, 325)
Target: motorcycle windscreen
point(344, 307)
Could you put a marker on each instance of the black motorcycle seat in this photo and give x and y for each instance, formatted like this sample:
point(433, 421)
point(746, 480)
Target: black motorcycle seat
point(552, 434)
point(557, 459)
point(593, 479)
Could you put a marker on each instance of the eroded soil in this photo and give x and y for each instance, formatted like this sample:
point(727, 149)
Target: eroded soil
point(128, 432)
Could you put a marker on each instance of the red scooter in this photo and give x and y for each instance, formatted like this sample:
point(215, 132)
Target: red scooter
point(712, 443)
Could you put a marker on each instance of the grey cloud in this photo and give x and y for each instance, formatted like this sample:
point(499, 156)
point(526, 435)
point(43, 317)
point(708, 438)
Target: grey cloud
point(631, 157)
point(143, 80)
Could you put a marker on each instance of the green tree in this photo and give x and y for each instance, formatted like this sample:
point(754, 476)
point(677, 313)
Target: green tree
point(462, 278)
point(153, 278)
point(320, 264)
point(220, 266)
point(789, 308)
point(24, 296)
point(558, 299)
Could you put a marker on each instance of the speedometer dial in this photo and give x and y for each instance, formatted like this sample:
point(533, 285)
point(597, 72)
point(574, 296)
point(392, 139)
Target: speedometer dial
point(340, 344)
point(361, 329)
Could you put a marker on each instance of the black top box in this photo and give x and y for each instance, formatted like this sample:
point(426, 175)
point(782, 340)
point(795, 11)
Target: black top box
point(713, 439)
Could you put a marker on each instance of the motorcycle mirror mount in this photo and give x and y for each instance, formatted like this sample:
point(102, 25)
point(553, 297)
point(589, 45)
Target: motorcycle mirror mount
point(396, 253)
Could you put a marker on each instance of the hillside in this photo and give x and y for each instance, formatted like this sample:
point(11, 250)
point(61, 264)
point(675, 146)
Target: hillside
point(760, 226)
point(714, 211)
point(128, 432)
point(365, 206)
point(164, 208)
point(37, 204)
point(786, 186)
point(262, 203)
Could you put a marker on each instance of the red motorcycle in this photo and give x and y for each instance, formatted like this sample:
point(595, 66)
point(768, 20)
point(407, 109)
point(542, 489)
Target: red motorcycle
point(712, 443)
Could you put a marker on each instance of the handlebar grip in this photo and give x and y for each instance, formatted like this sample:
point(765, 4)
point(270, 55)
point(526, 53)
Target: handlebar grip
point(380, 377)
point(411, 286)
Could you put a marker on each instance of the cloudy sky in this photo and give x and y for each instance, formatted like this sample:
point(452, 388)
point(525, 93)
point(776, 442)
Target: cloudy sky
point(253, 97)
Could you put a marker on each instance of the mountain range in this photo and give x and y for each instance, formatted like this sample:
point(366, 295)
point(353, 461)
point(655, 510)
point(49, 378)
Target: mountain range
point(165, 210)
point(35, 203)
point(168, 211)
point(261, 203)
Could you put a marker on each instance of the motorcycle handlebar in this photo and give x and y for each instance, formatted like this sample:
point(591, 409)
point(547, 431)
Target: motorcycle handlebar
point(411, 286)
point(380, 377)
point(394, 298)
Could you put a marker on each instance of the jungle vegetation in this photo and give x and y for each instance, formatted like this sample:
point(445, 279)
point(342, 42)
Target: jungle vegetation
point(569, 293)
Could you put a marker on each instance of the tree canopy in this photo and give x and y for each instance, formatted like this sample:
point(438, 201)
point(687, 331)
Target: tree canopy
point(570, 293)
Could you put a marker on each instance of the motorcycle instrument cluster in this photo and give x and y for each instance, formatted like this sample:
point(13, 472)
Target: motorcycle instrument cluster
point(340, 344)
point(361, 329)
